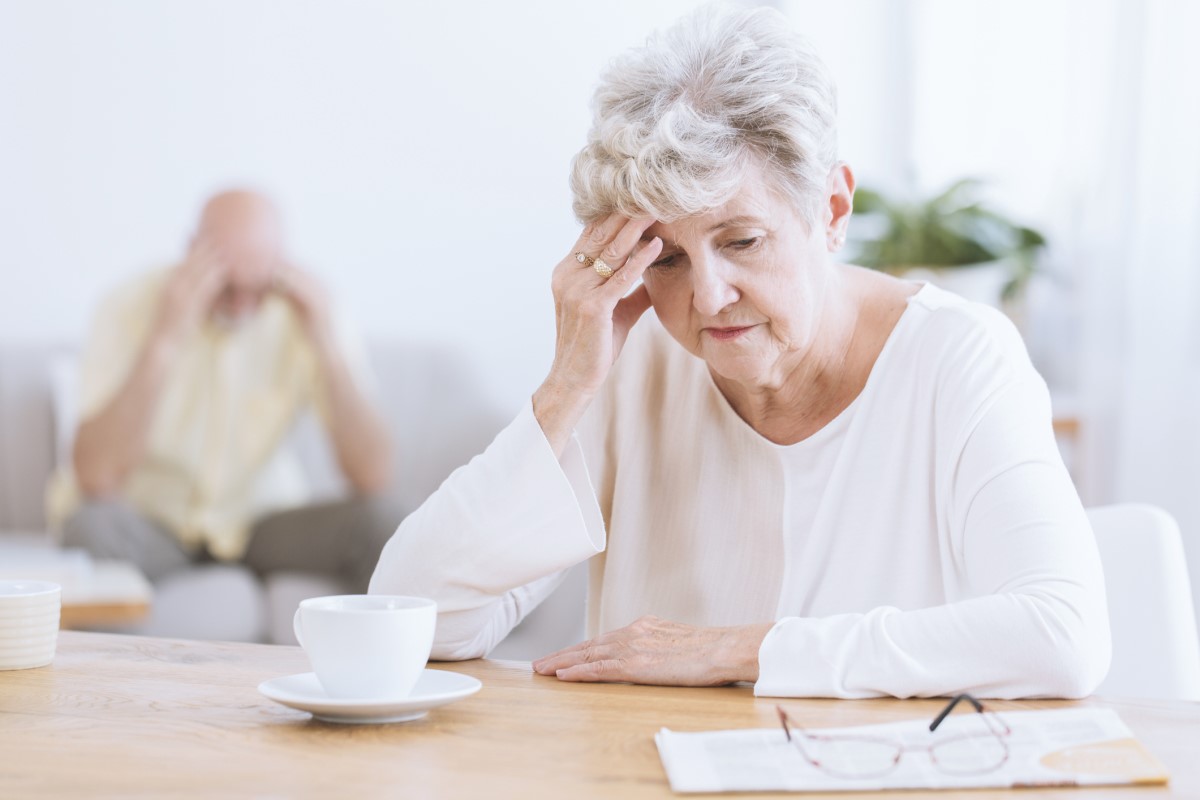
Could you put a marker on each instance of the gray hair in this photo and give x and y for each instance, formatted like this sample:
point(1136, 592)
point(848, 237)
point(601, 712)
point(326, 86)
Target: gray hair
point(678, 121)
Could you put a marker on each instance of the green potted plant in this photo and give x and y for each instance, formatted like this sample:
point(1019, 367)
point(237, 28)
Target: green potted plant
point(951, 239)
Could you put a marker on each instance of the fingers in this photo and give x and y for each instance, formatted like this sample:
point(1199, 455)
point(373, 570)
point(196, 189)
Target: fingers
point(288, 280)
point(617, 240)
point(288, 272)
point(605, 647)
point(589, 661)
point(630, 309)
point(204, 267)
point(607, 671)
point(590, 331)
point(654, 651)
point(618, 249)
point(626, 277)
point(210, 281)
point(630, 257)
point(612, 239)
point(203, 255)
point(598, 234)
point(201, 275)
point(586, 661)
point(568, 656)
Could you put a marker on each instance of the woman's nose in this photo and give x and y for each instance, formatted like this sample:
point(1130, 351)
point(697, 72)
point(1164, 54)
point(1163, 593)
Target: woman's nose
point(712, 289)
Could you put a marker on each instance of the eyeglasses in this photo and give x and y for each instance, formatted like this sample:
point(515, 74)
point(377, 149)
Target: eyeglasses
point(973, 753)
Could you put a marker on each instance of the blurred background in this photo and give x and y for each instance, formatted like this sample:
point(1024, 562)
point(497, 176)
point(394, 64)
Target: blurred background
point(420, 153)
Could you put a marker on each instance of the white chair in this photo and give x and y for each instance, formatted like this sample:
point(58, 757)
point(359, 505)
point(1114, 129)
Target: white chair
point(1156, 651)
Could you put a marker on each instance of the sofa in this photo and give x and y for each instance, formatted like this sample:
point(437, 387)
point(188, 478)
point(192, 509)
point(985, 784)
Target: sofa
point(438, 414)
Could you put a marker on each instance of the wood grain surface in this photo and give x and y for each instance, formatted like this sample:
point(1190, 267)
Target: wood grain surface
point(124, 716)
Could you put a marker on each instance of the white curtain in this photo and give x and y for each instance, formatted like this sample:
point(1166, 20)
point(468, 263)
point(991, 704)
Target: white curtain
point(1084, 116)
point(1135, 254)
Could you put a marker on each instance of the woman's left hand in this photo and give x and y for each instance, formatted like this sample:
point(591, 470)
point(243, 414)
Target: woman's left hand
point(660, 652)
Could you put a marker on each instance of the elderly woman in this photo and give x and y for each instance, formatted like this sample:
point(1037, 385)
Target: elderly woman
point(795, 472)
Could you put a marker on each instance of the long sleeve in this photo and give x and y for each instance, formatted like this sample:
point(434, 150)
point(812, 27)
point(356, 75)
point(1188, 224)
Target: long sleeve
point(1032, 619)
point(495, 538)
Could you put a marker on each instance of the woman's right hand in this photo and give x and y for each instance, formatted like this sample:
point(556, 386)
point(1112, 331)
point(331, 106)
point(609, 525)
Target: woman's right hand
point(594, 316)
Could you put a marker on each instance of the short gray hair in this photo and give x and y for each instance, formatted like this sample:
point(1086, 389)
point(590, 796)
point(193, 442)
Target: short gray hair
point(678, 121)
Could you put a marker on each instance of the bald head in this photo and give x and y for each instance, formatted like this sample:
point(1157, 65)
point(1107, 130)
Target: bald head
point(238, 212)
point(242, 228)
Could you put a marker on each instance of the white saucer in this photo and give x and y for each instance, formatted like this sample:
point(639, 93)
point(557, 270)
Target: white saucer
point(435, 687)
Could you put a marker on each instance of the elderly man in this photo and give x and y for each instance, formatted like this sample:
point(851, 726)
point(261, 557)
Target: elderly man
point(191, 381)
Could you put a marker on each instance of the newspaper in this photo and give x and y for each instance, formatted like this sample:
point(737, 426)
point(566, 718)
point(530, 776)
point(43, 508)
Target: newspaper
point(1068, 747)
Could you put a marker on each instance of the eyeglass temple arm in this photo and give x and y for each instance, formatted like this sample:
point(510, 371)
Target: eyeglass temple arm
point(946, 711)
point(783, 719)
point(933, 726)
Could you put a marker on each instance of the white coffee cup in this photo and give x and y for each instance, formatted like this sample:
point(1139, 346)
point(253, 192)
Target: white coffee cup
point(29, 616)
point(366, 646)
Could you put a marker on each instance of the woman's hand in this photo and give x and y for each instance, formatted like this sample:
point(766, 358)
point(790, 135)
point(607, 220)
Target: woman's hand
point(594, 316)
point(655, 651)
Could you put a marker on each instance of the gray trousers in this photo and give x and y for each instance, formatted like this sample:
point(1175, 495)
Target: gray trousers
point(342, 538)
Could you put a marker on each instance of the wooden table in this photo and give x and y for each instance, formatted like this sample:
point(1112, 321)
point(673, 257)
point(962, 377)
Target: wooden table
point(123, 716)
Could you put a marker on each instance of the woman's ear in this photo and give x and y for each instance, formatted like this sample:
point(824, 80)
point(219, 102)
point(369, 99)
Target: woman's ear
point(840, 193)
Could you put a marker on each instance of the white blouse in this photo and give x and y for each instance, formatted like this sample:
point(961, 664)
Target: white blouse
point(925, 542)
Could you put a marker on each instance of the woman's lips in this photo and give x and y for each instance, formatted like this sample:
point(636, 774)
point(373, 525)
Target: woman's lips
point(727, 334)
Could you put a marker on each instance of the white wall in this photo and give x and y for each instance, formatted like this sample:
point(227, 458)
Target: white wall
point(419, 150)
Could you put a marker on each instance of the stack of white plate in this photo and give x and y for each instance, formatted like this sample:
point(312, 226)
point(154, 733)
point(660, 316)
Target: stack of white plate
point(28, 623)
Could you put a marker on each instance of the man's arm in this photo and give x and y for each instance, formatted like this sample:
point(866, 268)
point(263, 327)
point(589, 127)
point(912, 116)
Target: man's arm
point(360, 437)
point(111, 442)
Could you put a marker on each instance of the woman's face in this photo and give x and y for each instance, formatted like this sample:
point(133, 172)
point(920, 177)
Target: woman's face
point(744, 286)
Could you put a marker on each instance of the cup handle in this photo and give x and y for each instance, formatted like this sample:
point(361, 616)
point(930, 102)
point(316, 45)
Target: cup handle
point(296, 627)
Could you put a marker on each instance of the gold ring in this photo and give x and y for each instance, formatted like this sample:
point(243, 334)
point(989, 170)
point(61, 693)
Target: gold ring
point(584, 259)
point(602, 269)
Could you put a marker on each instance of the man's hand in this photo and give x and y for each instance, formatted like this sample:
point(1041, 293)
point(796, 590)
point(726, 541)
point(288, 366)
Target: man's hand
point(191, 292)
point(309, 299)
point(659, 652)
point(110, 444)
point(359, 436)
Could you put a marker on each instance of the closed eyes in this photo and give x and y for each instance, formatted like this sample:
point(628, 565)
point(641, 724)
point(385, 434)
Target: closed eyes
point(741, 245)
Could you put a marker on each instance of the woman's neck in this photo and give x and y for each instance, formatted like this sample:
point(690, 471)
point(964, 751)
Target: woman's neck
point(810, 388)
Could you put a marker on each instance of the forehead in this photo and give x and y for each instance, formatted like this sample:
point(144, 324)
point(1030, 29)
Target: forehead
point(245, 234)
point(756, 204)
